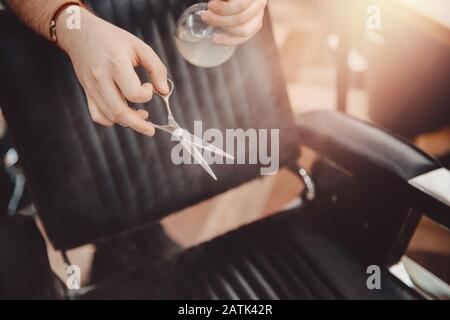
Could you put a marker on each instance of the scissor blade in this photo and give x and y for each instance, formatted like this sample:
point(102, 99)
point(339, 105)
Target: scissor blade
point(191, 148)
point(203, 144)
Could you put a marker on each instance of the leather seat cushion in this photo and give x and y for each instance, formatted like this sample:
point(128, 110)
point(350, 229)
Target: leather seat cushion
point(281, 257)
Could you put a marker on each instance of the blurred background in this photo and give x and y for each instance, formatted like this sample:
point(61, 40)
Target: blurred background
point(386, 61)
point(396, 74)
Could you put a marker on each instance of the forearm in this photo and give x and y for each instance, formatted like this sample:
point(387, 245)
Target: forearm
point(37, 14)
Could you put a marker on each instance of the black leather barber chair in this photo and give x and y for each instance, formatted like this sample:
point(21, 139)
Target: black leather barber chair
point(92, 184)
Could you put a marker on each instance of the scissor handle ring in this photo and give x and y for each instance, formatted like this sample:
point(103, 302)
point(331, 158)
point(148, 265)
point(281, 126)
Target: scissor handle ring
point(165, 97)
point(171, 87)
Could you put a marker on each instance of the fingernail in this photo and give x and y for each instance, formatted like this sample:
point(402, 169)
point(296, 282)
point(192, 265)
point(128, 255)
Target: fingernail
point(143, 114)
point(217, 39)
point(148, 85)
point(150, 132)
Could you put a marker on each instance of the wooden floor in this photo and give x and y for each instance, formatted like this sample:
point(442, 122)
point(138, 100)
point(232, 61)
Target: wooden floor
point(310, 74)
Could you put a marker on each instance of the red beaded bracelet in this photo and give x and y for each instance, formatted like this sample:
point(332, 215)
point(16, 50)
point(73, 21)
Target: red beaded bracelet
point(61, 8)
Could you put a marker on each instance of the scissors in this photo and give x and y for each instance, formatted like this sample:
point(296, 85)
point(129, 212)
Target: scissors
point(188, 140)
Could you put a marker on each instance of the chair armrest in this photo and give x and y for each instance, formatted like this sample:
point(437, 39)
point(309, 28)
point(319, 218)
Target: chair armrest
point(373, 155)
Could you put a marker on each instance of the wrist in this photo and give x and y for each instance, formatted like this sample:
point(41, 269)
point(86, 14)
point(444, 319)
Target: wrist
point(70, 26)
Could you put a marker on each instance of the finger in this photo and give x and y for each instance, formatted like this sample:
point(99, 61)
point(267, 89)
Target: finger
point(123, 114)
point(228, 8)
point(149, 86)
point(130, 85)
point(217, 20)
point(102, 103)
point(158, 71)
point(248, 29)
point(142, 114)
point(107, 111)
point(96, 114)
point(132, 119)
point(230, 40)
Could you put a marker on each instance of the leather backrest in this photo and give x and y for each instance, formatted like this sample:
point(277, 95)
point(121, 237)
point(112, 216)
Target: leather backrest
point(89, 181)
